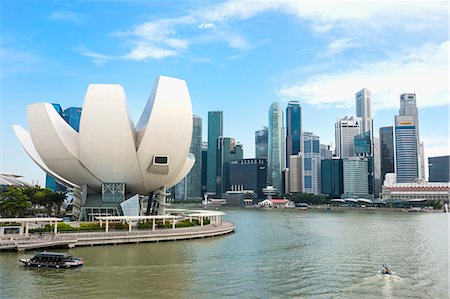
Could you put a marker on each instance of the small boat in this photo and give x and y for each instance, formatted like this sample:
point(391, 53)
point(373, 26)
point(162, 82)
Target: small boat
point(53, 260)
point(386, 270)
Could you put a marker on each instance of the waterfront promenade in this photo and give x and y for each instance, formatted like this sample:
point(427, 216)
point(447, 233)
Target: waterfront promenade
point(70, 240)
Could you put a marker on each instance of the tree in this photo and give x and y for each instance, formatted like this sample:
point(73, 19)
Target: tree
point(13, 202)
point(49, 199)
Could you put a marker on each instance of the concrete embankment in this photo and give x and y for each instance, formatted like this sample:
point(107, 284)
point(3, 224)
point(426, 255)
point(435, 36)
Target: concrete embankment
point(71, 240)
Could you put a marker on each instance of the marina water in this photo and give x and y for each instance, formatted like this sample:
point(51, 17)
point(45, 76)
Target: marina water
point(273, 253)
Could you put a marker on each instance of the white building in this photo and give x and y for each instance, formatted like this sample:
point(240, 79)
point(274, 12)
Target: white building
point(345, 131)
point(277, 150)
point(311, 163)
point(296, 173)
point(363, 110)
point(356, 181)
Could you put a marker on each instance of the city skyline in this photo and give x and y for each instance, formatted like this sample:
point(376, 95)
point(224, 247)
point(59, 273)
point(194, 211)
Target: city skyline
point(319, 57)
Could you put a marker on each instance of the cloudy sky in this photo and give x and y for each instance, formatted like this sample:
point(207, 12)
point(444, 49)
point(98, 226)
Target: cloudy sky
point(236, 56)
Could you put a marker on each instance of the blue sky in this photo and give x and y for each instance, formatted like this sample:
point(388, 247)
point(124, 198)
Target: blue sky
point(238, 57)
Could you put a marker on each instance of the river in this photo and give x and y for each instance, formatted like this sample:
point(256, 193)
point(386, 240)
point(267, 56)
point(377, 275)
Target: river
point(273, 254)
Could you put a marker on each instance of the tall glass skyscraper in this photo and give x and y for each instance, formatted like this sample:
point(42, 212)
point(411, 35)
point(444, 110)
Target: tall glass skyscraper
point(228, 150)
point(312, 162)
point(439, 169)
point(363, 110)
point(261, 143)
point(293, 130)
point(386, 151)
point(215, 131)
point(345, 131)
point(332, 177)
point(406, 149)
point(277, 156)
point(356, 183)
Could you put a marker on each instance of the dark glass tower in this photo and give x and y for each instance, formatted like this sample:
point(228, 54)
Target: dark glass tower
point(262, 143)
point(293, 130)
point(72, 116)
point(227, 151)
point(215, 131)
point(438, 168)
point(386, 151)
point(249, 174)
point(332, 177)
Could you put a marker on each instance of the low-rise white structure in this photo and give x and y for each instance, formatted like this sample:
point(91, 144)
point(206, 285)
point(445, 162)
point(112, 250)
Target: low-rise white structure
point(276, 203)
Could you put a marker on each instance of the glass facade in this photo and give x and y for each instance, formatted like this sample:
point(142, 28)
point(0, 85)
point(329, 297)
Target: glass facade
point(332, 178)
point(277, 153)
point(386, 151)
point(439, 169)
point(249, 174)
point(312, 162)
point(131, 206)
point(72, 116)
point(227, 151)
point(262, 143)
point(293, 130)
point(406, 151)
point(215, 131)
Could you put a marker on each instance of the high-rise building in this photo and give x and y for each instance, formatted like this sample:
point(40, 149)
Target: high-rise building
point(345, 131)
point(215, 131)
point(312, 160)
point(249, 174)
point(262, 143)
point(363, 110)
point(191, 186)
point(296, 173)
point(227, 151)
point(377, 167)
point(326, 152)
point(72, 116)
point(293, 130)
point(408, 107)
point(406, 149)
point(204, 165)
point(356, 183)
point(386, 151)
point(363, 148)
point(277, 154)
point(332, 177)
point(439, 169)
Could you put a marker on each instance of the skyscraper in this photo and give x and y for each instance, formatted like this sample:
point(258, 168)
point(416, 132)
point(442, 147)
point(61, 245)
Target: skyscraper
point(296, 173)
point(228, 150)
point(332, 177)
point(439, 169)
point(312, 160)
point(362, 99)
point(325, 151)
point(72, 116)
point(261, 143)
point(356, 183)
point(215, 131)
point(408, 107)
point(277, 154)
point(191, 185)
point(386, 151)
point(406, 151)
point(293, 130)
point(249, 174)
point(345, 131)
point(204, 165)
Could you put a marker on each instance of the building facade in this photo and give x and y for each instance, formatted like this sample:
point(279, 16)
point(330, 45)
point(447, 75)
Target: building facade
point(415, 191)
point(296, 173)
point(387, 151)
point(277, 154)
point(204, 166)
point(439, 169)
point(406, 151)
point(227, 151)
point(312, 160)
point(345, 131)
point(326, 152)
point(332, 177)
point(356, 183)
point(72, 116)
point(293, 130)
point(363, 109)
point(249, 174)
point(262, 143)
point(215, 131)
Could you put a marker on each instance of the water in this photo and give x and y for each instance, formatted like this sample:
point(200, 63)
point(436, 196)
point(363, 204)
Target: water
point(272, 254)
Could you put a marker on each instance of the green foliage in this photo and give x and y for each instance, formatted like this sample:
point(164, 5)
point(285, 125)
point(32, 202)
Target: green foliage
point(47, 198)
point(118, 225)
point(90, 226)
point(435, 203)
point(307, 198)
point(13, 202)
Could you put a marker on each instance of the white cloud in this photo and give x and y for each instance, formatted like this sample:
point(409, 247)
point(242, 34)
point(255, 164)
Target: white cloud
point(339, 45)
point(143, 52)
point(423, 71)
point(206, 26)
point(67, 16)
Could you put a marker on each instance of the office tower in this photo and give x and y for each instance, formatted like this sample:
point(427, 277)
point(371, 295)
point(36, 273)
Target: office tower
point(408, 107)
point(325, 152)
point(249, 174)
point(439, 169)
point(312, 160)
point(215, 131)
point(386, 151)
point(345, 131)
point(293, 130)
point(406, 151)
point(191, 185)
point(332, 177)
point(72, 116)
point(261, 143)
point(285, 181)
point(227, 151)
point(204, 165)
point(277, 154)
point(363, 148)
point(377, 167)
point(363, 111)
point(296, 173)
point(356, 183)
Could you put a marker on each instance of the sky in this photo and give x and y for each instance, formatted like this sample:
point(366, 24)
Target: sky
point(236, 56)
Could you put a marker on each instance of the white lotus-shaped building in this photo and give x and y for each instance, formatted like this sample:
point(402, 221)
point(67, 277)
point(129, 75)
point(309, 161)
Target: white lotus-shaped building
point(109, 148)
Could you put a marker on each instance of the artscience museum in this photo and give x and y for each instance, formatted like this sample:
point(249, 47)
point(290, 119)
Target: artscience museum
point(111, 163)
